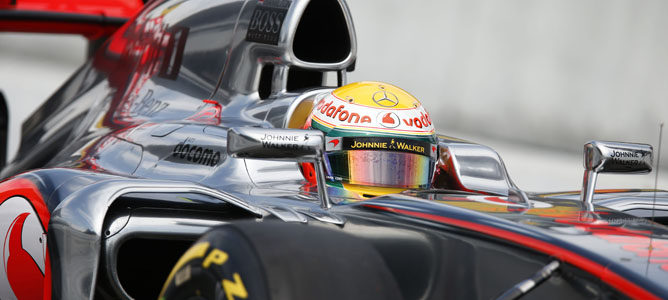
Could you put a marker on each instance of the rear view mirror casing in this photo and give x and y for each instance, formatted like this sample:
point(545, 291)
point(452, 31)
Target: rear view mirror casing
point(612, 157)
point(282, 144)
point(270, 143)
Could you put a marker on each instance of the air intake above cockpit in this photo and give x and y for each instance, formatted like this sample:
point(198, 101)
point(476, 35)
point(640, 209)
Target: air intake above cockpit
point(322, 35)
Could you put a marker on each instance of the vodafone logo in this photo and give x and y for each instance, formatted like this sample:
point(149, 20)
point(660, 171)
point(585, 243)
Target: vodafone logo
point(418, 122)
point(332, 111)
point(388, 119)
point(341, 114)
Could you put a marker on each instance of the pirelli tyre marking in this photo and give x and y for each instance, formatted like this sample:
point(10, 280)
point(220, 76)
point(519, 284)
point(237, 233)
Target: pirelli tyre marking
point(234, 289)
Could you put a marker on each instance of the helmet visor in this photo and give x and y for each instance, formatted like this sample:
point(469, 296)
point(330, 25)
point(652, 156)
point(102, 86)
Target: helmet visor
point(380, 167)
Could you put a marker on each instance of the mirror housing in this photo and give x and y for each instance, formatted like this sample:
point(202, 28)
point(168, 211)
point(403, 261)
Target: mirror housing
point(299, 145)
point(612, 157)
point(472, 167)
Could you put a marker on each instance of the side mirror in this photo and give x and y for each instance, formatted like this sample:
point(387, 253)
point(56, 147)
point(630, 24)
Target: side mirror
point(472, 167)
point(612, 157)
point(282, 144)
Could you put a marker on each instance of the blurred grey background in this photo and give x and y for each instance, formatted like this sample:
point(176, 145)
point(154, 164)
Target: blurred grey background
point(533, 79)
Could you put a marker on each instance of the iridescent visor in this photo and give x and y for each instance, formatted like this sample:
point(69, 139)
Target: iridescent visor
point(381, 168)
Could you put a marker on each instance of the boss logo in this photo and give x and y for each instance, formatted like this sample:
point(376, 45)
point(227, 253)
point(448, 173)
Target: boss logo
point(266, 21)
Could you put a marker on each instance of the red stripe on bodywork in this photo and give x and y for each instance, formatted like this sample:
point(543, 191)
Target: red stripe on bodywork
point(90, 31)
point(629, 288)
point(109, 8)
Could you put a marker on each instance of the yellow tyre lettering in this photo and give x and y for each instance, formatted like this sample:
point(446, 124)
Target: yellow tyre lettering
point(216, 256)
point(196, 251)
point(235, 289)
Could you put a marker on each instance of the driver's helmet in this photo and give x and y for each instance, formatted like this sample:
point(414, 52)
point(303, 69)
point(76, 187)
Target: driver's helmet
point(376, 135)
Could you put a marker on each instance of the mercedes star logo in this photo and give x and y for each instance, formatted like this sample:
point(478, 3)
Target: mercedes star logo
point(385, 98)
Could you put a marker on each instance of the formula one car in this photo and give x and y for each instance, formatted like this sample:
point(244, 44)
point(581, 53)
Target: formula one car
point(175, 164)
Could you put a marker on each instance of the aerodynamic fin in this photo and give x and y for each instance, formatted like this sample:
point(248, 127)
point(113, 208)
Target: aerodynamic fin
point(91, 18)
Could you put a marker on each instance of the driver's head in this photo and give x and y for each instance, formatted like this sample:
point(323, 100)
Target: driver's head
point(376, 135)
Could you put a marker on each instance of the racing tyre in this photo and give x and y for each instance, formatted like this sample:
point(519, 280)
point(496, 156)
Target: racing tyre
point(277, 260)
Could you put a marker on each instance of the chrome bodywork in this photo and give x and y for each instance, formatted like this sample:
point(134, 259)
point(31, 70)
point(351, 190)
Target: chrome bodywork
point(280, 144)
point(285, 144)
point(131, 123)
point(245, 60)
point(640, 203)
point(157, 126)
point(79, 238)
point(476, 168)
point(147, 225)
point(648, 204)
point(79, 245)
point(612, 157)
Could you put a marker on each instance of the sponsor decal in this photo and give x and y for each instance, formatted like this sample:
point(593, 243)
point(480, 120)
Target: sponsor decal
point(188, 151)
point(334, 112)
point(150, 47)
point(284, 141)
point(24, 262)
point(625, 154)
point(216, 257)
point(333, 144)
point(627, 158)
point(233, 288)
point(627, 163)
point(388, 119)
point(387, 144)
point(341, 114)
point(385, 98)
point(420, 121)
point(148, 106)
point(267, 20)
point(176, 43)
point(23, 249)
